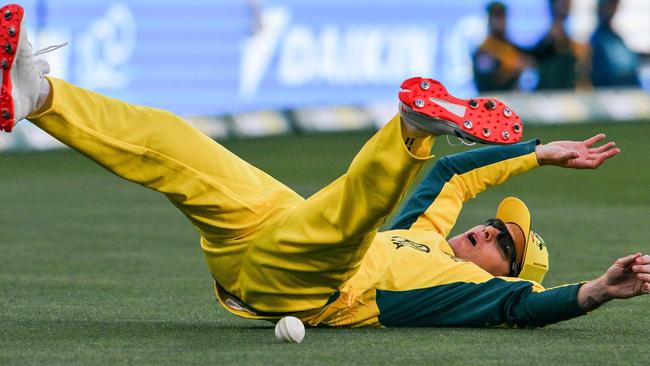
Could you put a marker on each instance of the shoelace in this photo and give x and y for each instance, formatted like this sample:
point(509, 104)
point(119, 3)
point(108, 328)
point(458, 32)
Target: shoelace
point(50, 48)
point(462, 142)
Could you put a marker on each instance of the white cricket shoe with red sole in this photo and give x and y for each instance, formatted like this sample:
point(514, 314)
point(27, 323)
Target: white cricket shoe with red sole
point(426, 104)
point(21, 77)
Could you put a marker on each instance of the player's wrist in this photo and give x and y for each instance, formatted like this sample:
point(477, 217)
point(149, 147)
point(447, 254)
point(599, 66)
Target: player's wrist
point(593, 294)
point(541, 152)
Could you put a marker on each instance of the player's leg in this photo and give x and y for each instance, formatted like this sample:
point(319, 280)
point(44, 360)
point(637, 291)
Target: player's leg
point(222, 195)
point(322, 241)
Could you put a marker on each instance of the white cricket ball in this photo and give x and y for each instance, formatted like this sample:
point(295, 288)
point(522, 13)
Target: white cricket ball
point(290, 330)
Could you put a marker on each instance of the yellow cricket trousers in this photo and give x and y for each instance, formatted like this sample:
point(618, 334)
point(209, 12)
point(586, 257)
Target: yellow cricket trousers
point(264, 244)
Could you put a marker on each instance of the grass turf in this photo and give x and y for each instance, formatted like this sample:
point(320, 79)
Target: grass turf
point(94, 270)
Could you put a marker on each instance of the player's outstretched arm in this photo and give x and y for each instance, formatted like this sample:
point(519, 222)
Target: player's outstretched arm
point(627, 277)
point(457, 178)
point(576, 154)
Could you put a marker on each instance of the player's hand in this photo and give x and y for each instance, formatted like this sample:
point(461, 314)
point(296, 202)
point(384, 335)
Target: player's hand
point(627, 277)
point(576, 154)
point(642, 269)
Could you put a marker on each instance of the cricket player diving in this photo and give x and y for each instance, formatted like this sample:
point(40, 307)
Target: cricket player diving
point(322, 259)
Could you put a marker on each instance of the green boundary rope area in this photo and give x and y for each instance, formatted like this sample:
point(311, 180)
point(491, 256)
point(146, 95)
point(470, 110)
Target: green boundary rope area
point(96, 271)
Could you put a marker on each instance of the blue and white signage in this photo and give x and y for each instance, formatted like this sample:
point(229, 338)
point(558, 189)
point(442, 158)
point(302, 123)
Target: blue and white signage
point(211, 57)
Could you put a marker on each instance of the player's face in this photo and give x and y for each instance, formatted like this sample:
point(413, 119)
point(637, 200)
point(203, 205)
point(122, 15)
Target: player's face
point(483, 246)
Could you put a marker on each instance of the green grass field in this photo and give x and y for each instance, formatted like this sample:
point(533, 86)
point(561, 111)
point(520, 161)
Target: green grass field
point(94, 270)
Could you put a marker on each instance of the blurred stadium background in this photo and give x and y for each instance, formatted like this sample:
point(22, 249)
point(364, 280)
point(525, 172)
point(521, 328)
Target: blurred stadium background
point(97, 271)
point(265, 67)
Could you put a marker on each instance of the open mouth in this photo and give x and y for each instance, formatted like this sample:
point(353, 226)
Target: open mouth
point(472, 238)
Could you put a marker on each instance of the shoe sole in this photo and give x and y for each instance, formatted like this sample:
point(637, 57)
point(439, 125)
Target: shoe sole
point(483, 120)
point(10, 18)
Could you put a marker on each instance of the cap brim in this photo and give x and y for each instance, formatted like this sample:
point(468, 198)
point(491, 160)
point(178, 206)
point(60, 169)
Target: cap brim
point(513, 210)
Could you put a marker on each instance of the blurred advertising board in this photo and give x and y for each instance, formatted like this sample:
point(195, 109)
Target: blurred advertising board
point(213, 57)
point(248, 68)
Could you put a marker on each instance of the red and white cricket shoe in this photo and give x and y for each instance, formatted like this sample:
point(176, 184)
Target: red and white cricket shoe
point(426, 104)
point(21, 76)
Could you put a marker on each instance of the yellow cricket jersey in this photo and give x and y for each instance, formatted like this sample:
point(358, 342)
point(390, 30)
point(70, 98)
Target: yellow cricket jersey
point(410, 276)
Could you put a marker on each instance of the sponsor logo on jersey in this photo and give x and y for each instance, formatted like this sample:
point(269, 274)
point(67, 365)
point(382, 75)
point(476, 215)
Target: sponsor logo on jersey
point(400, 242)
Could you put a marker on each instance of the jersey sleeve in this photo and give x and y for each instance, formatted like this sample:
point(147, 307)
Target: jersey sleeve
point(495, 302)
point(454, 179)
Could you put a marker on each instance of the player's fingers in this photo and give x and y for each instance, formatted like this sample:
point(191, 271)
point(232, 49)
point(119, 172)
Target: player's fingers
point(603, 148)
point(645, 277)
point(627, 260)
point(641, 268)
point(606, 154)
point(612, 152)
point(592, 140)
point(644, 259)
point(599, 159)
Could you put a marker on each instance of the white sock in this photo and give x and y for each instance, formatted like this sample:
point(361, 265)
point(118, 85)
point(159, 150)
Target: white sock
point(43, 94)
